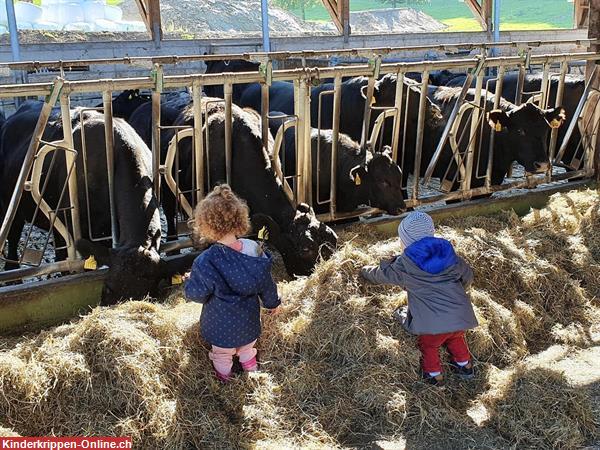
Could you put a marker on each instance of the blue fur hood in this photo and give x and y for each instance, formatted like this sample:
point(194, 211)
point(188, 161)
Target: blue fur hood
point(432, 255)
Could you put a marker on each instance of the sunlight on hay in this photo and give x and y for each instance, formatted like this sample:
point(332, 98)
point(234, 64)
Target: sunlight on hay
point(338, 369)
point(538, 408)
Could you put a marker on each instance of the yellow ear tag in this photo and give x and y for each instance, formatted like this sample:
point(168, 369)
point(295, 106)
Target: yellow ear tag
point(373, 101)
point(555, 123)
point(263, 234)
point(90, 263)
point(176, 279)
point(130, 96)
point(498, 126)
point(357, 180)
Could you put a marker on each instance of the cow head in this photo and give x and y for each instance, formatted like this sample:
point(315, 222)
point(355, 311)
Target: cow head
point(124, 104)
point(133, 272)
point(303, 243)
point(383, 180)
point(524, 132)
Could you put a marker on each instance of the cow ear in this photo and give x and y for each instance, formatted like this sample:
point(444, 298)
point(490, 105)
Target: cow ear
point(387, 151)
point(358, 174)
point(498, 119)
point(555, 116)
point(265, 227)
point(136, 93)
point(178, 265)
point(100, 253)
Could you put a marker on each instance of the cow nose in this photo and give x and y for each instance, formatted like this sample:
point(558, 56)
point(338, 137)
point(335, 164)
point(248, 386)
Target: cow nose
point(542, 166)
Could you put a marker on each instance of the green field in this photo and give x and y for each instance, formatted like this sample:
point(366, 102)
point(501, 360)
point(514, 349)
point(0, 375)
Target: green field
point(515, 14)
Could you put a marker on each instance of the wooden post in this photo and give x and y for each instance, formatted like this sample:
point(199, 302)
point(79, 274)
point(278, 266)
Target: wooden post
point(150, 12)
point(594, 33)
point(478, 11)
point(581, 16)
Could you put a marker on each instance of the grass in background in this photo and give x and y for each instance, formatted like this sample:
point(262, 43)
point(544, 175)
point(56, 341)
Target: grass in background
point(515, 14)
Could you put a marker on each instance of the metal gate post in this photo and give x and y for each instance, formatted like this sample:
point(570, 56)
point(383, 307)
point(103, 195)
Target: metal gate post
point(466, 184)
point(110, 163)
point(337, 99)
point(398, 119)
point(575, 120)
point(157, 74)
point(302, 150)
point(564, 68)
point(198, 142)
point(491, 150)
point(420, 132)
point(376, 66)
point(545, 87)
point(308, 178)
point(228, 94)
point(65, 110)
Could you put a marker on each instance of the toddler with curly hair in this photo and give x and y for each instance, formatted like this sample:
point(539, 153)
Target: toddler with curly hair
point(230, 279)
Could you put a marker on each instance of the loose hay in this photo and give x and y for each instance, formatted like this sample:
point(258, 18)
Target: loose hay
point(538, 408)
point(338, 369)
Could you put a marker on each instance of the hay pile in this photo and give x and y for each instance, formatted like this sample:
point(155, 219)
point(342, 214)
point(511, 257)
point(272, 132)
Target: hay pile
point(338, 370)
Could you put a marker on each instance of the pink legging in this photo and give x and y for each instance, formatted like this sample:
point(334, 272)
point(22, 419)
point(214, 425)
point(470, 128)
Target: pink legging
point(222, 358)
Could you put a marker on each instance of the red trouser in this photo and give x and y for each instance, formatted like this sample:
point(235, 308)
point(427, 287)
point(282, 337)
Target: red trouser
point(429, 344)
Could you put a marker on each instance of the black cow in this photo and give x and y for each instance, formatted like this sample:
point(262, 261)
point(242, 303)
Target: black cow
point(281, 98)
point(574, 87)
point(522, 136)
point(363, 178)
point(124, 104)
point(296, 233)
point(235, 65)
point(135, 265)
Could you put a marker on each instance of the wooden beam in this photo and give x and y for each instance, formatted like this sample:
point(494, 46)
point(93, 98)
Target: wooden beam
point(594, 33)
point(487, 10)
point(150, 12)
point(332, 8)
point(477, 11)
point(582, 8)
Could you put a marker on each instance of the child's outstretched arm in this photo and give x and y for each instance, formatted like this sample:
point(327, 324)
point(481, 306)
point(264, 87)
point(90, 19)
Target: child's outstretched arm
point(386, 273)
point(466, 272)
point(270, 298)
point(198, 288)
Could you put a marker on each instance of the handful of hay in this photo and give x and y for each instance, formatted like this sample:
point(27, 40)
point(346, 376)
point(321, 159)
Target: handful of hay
point(338, 370)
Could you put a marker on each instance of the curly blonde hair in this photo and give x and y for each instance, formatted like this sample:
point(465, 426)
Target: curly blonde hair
point(221, 212)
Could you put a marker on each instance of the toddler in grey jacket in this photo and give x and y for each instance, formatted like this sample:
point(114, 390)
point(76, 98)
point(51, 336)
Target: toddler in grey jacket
point(435, 278)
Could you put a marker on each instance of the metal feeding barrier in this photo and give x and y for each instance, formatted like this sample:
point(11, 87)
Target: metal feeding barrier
point(402, 121)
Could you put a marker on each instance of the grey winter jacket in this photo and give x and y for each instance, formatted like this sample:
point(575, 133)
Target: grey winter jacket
point(435, 279)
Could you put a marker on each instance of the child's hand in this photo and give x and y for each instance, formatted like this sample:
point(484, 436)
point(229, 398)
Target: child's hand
point(186, 276)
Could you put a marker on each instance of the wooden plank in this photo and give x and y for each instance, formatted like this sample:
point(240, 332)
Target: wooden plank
point(487, 10)
point(332, 8)
point(150, 12)
point(477, 11)
point(581, 13)
point(594, 33)
point(143, 12)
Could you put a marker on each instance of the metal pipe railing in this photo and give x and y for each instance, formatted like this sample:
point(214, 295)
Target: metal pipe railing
point(283, 55)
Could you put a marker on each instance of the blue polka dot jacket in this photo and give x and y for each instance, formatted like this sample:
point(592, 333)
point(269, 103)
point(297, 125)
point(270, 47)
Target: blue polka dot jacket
point(230, 285)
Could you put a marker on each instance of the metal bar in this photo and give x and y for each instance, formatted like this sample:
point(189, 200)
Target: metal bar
point(178, 81)
point(46, 269)
point(70, 160)
point(466, 185)
point(198, 141)
point(156, 91)
point(110, 163)
point(520, 82)
point(228, 94)
point(11, 209)
point(299, 112)
point(264, 9)
point(398, 118)
point(446, 132)
point(420, 132)
point(545, 86)
point(280, 55)
point(367, 112)
point(564, 69)
point(307, 169)
point(337, 101)
point(577, 114)
point(264, 108)
point(492, 149)
point(318, 153)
